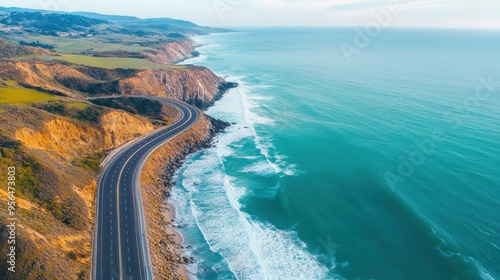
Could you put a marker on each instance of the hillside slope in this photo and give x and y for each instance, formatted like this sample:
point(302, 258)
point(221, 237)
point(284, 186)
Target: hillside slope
point(56, 158)
point(195, 85)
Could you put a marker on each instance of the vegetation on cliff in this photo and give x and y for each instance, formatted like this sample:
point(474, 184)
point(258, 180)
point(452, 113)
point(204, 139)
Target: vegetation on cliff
point(10, 50)
point(56, 136)
point(57, 147)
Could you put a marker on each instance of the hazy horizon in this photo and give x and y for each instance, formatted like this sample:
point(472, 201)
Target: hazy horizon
point(321, 13)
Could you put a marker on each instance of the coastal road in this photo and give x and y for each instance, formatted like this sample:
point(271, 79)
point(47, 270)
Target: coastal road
point(120, 250)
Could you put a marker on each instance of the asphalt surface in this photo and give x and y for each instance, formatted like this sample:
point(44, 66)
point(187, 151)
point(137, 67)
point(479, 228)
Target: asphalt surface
point(119, 248)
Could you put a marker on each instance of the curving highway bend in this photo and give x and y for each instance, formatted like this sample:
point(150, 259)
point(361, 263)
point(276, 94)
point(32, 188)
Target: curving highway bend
point(120, 249)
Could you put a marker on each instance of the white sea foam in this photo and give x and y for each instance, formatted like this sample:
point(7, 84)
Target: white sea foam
point(252, 249)
point(483, 273)
point(261, 167)
point(194, 60)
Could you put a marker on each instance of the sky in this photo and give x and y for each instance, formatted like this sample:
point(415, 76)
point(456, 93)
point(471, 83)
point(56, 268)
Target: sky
point(394, 13)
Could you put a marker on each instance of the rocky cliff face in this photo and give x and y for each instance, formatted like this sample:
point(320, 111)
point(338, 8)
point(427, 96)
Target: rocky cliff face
point(57, 150)
point(55, 158)
point(64, 139)
point(194, 85)
point(173, 52)
point(43, 75)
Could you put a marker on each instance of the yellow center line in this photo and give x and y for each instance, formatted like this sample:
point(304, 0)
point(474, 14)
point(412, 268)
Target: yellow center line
point(118, 192)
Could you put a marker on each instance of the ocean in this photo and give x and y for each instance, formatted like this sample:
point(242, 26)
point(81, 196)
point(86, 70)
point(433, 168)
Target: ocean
point(348, 157)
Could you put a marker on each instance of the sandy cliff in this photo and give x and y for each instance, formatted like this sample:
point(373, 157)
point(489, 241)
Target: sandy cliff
point(195, 85)
point(57, 147)
point(173, 52)
point(56, 158)
point(43, 75)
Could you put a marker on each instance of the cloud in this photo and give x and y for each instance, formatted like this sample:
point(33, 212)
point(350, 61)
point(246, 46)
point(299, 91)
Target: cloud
point(354, 5)
point(435, 13)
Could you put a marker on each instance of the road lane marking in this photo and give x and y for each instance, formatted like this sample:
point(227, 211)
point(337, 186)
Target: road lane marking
point(157, 138)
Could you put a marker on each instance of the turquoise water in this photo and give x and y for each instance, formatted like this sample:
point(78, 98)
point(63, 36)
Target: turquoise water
point(384, 167)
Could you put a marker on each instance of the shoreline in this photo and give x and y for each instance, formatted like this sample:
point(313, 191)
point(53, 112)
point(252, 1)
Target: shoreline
point(170, 209)
point(170, 215)
point(164, 241)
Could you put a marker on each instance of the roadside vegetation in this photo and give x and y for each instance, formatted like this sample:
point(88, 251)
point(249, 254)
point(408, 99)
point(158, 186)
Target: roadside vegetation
point(55, 139)
point(157, 112)
point(90, 162)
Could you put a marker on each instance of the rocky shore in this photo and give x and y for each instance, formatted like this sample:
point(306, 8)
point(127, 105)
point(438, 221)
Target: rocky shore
point(164, 242)
point(58, 146)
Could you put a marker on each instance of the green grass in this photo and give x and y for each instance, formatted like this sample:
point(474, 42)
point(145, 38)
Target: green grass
point(90, 162)
point(16, 96)
point(79, 105)
point(72, 46)
point(109, 62)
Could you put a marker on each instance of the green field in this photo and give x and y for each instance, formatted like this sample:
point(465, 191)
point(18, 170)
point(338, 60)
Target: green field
point(22, 96)
point(109, 62)
point(96, 44)
point(79, 105)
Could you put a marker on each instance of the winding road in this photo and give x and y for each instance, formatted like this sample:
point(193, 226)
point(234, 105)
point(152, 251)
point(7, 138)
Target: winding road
point(120, 250)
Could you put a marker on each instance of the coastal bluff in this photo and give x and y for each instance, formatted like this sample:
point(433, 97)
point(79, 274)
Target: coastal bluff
point(192, 84)
point(58, 145)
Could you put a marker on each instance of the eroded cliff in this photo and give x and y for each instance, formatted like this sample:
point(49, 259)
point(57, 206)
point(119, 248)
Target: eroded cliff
point(57, 147)
point(57, 158)
point(195, 85)
point(173, 52)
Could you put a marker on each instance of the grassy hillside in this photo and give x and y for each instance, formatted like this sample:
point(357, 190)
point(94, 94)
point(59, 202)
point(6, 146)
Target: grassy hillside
point(95, 44)
point(109, 62)
point(19, 95)
point(57, 179)
point(56, 138)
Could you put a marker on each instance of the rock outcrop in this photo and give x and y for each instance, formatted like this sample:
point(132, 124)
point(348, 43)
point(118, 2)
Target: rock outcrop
point(173, 52)
point(43, 75)
point(56, 159)
point(64, 139)
point(195, 85)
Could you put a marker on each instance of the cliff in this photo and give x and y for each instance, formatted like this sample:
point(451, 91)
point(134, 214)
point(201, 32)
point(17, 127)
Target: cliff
point(57, 146)
point(173, 52)
point(195, 85)
point(57, 159)
point(47, 76)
